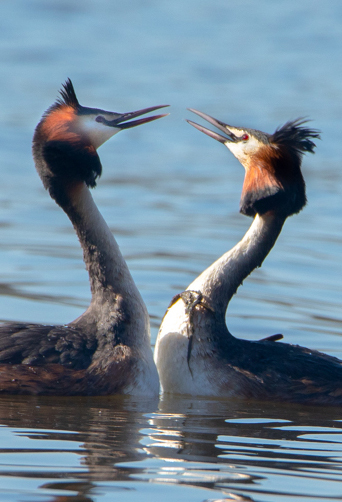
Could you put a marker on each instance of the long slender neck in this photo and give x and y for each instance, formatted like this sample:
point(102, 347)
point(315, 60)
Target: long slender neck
point(110, 279)
point(219, 282)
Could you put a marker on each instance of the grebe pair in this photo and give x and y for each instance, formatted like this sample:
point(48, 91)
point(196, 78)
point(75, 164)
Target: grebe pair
point(107, 349)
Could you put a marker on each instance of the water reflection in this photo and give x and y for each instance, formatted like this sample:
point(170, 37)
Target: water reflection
point(248, 447)
point(74, 449)
point(78, 439)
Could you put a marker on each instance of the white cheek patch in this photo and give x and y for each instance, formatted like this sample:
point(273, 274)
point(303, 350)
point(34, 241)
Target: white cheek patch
point(97, 132)
point(253, 145)
point(243, 150)
point(238, 151)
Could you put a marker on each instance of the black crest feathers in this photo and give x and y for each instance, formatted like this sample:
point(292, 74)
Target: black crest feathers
point(68, 95)
point(293, 135)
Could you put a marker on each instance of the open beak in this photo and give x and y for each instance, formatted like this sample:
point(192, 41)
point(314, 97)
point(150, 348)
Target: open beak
point(120, 120)
point(230, 136)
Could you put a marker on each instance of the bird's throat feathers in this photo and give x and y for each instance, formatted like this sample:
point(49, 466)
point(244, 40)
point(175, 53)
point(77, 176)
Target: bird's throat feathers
point(273, 181)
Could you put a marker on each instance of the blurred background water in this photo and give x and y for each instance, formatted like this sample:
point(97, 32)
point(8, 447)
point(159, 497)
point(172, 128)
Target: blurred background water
point(171, 197)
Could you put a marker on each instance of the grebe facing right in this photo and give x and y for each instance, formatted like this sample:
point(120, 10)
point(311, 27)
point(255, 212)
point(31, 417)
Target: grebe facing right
point(107, 349)
point(195, 353)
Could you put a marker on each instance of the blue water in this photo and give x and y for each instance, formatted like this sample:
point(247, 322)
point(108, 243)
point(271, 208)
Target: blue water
point(171, 197)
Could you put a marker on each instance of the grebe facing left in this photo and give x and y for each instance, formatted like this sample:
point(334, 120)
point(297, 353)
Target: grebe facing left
point(195, 353)
point(107, 349)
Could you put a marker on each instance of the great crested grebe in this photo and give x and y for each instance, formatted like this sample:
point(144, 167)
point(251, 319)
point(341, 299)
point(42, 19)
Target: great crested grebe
point(195, 353)
point(107, 349)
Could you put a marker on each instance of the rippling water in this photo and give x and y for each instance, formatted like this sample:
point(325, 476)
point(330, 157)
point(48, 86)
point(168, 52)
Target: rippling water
point(171, 197)
point(187, 450)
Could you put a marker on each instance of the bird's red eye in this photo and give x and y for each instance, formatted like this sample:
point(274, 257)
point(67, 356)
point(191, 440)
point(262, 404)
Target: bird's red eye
point(245, 137)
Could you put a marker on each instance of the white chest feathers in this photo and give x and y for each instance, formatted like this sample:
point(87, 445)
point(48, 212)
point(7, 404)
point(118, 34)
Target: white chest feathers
point(179, 373)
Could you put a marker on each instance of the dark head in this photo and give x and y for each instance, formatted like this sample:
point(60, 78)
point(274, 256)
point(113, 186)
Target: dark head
point(272, 162)
point(67, 137)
